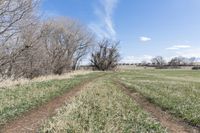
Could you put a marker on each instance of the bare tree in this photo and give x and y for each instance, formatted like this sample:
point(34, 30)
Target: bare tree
point(30, 48)
point(27, 61)
point(66, 42)
point(106, 56)
point(178, 61)
point(15, 16)
point(158, 61)
point(188, 61)
point(82, 41)
point(192, 60)
point(175, 61)
point(144, 63)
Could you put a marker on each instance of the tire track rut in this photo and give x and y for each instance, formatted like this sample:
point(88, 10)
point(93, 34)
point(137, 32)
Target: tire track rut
point(32, 120)
point(172, 124)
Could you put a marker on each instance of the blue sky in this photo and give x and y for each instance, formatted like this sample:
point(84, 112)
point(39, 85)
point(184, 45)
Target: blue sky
point(146, 28)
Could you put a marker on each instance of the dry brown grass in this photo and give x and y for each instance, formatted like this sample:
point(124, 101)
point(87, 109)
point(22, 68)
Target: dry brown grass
point(22, 81)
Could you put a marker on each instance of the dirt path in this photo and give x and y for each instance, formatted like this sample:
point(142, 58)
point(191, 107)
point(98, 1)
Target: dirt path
point(30, 121)
point(172, 124)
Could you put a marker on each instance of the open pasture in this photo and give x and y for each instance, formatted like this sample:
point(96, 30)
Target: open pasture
point(176, 91)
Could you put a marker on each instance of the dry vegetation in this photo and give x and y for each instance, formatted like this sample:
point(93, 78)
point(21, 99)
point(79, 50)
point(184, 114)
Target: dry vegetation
point(32, 47)
point(106, 56)
point(23, 81)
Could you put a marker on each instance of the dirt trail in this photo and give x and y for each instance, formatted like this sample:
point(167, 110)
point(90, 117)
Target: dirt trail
point(30, 121)
point(172, 124)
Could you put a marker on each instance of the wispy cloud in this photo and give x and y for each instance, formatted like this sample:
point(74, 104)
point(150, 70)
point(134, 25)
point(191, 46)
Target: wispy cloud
point(104, 27)
point(189, 53)
point(177, 47)
point(144, 39)
point(136, 59)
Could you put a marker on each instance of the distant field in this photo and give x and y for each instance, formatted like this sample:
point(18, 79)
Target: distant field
point(133, 67)
point(177, 91)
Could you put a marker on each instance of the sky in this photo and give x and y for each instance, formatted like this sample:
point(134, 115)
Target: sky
point(145, 28)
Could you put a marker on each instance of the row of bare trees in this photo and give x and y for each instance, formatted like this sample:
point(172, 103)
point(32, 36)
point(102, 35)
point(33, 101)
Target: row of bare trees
point(175, 62)
point(31, 47)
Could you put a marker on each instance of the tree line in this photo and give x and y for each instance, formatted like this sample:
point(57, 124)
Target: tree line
point(176, 62)
point(31, 46)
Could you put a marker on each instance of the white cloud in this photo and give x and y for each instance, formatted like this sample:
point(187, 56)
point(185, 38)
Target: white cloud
point(177, 47)
point(189, 53)
point(145, 39)
point(104, 27)
point(136, 59)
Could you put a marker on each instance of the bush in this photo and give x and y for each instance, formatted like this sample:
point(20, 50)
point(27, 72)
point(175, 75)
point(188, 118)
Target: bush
point(196, 68)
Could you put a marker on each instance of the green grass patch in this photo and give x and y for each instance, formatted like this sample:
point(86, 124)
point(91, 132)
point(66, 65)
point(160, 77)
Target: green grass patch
point(14, 101)
point(177, 91)
point(102, 108)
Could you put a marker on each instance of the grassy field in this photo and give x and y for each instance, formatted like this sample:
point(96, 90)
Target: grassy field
point(177, 91)
point(102, 107)
point(18, 99)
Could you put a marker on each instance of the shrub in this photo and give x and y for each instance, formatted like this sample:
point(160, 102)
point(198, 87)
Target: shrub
point(196, 68)
point(106, 56)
